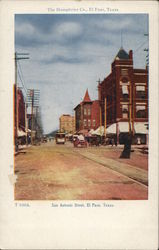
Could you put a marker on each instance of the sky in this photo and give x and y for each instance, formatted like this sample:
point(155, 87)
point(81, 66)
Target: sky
point(68, 53)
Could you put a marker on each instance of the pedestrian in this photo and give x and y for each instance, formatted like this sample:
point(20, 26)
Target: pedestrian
point(127, 146)
point(112, 142)
point(138, 140)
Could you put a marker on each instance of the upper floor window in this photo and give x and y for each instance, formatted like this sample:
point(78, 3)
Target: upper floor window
point(85, 122)
point(125, 91)
point(89, 111)
point(141, 111)
point(85, 111)
point(89, 123)
point(125, 110)
point(94, 123)
point(140, 92)
point(124, 72)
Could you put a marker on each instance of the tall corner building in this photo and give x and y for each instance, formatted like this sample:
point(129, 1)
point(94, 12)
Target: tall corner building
point(125, 91)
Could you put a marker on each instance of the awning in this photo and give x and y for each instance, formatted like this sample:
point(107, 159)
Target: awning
point(91, 131)
point(21, 133)
point(111, 129)
point(99, 131)
point(123, 127)
point(139, 128)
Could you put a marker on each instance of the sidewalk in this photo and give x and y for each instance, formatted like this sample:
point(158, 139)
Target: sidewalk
point(21, 149)
point(137, 174)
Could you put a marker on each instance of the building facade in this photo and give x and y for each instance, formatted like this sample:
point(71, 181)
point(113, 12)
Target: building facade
point(124, 92)
point(87, 114)
point(67, 123)
point(19, 110)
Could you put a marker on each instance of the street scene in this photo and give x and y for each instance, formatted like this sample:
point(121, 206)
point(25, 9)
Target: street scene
point(81, 123)
point(62, 172)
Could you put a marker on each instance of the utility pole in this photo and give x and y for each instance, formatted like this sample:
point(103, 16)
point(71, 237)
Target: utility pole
point(99, 92)
point(16, 58)
point(32, 118)
point(130, 104)
point(16, 98)
point(146, 49)
point(33, 96)
point(100, 119)
point(133, 105)
point(117, 132)
point(26, 125)
point(100, 102)
point(105, 115)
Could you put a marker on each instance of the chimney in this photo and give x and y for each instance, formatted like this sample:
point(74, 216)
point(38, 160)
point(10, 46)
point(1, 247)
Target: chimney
point(131, 55)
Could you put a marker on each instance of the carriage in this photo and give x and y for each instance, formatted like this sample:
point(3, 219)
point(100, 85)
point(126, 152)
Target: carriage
point(60, 138)
point(80, 142)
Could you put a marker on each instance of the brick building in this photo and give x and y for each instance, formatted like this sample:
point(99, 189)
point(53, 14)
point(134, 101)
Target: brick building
point(19, 111)
point(67, 123)
point(125, 91)
point(87, 114)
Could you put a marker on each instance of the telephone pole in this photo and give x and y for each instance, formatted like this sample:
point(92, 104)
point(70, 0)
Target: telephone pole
point(18, 56)
point(130, 109)
point(105, 116)
point(33, 96)
point(146, 49)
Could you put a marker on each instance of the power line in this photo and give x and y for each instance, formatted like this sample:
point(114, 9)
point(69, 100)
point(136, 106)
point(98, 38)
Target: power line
point(22, 82)
point(140, 46)
point(22, 74)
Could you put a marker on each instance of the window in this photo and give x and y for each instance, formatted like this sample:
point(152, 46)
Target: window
point(85, 122)
point(89, 111)
point(124, 72)
point(140, 88)
point(125, 91)
point(94, 123)
point(140, 92)
point(89, 123)
point(125, 111)
point(125, 115)
point(140, 111)
point(85, 111)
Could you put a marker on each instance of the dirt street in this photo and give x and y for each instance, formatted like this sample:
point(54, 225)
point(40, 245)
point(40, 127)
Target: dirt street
point(61, 172)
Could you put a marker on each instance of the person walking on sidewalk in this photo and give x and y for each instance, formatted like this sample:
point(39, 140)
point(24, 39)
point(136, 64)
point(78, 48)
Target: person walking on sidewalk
point(127, 146)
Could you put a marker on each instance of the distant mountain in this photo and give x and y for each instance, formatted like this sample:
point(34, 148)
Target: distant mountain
point(52, 134)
